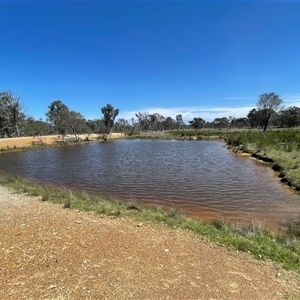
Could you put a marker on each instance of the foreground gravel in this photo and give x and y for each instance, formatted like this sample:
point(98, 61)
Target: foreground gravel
point(47, 252)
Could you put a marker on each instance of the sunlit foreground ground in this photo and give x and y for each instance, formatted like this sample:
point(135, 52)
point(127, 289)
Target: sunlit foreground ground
point(48, 252)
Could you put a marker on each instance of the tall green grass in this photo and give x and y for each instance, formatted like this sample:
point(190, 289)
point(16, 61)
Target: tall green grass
point(248, 238)
point(280, 147)
point(283, 140)
point(200, 134)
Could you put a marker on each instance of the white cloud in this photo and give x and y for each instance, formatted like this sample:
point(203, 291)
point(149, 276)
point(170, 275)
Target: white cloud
point(210, 113)
point(188, 113)
point(291, 100)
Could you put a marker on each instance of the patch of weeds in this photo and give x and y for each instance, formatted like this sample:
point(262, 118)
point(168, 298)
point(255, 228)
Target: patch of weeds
point(67, 203)
point(218, 224)
point(45, 198)
point(293, 227)
point(242, 245)
point(133, 207)
point(115, 213)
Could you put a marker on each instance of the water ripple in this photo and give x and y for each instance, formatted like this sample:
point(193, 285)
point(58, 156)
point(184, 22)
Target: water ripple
point(200, 177)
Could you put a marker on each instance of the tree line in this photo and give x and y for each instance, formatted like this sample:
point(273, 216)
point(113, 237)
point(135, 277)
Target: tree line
point(61, 120)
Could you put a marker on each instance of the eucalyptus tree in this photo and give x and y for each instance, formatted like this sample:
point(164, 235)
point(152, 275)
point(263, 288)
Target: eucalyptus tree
point(109, 115)
point(221, 123)
point(268, 104)
point(197, 123)
point(289, 117)
point(11, 114)
point(169, 124)
point(122, 125)
point(293, 116)
point(156, 121)
point(134, 124)
point(96, 125)
point(76, 124)
point(57, 116)
point(34, 127)
point(239, 122)
point(179, 121)
point(153, 120)
point(254, 118)
point(143, 121)
point(160, 121)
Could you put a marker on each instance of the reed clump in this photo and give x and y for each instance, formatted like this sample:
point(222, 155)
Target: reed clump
point(250, 238)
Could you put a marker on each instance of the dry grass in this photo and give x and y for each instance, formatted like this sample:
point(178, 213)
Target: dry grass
point(28, 142)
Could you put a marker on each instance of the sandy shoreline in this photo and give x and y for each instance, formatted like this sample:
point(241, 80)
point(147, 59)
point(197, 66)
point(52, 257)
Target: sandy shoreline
point(27, 142)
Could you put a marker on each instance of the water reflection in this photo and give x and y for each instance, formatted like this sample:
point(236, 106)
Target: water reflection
point(200, 177)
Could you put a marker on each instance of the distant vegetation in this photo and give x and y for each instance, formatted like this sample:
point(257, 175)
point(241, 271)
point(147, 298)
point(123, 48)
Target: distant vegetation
point(269, 112)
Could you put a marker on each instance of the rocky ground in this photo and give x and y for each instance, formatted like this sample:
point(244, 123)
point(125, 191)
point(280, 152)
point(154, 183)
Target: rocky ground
point(47, 252)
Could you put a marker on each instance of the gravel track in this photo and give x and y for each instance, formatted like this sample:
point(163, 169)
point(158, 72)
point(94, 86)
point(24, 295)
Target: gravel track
point(47, 252)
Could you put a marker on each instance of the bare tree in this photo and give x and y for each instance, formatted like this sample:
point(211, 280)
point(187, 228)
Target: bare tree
point(143, 120)
point(267, 104)
point(11, 114)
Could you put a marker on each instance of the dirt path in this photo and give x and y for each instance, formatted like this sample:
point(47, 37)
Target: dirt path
point(47, 252)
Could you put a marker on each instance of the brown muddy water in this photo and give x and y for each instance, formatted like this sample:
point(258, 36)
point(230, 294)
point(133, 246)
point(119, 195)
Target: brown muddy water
point(199, 177)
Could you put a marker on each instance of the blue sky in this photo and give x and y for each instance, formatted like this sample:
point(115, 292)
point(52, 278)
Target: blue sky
point(200, 59)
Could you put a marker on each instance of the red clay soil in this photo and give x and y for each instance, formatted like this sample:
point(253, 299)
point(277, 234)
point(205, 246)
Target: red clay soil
point(47, 252)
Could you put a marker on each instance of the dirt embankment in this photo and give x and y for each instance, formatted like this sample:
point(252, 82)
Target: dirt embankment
point(27, 142)
point(47, 252)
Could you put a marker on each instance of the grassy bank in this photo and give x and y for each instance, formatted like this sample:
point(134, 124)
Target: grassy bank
point(189, 134)
point(250, 238)
point(198, 134)
point(279, 147)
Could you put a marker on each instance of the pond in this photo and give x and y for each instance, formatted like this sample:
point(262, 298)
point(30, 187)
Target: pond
point(199, 177)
